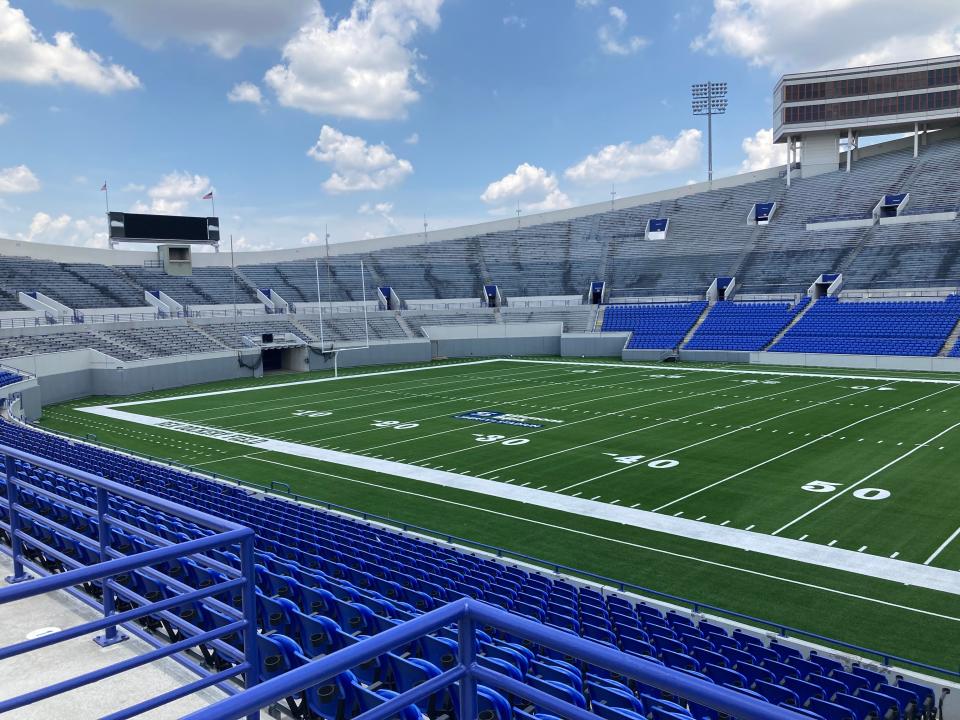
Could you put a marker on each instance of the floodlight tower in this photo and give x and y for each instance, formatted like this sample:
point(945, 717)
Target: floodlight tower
point(709, 98)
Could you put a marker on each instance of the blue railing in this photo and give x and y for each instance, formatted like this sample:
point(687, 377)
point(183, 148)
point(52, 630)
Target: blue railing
point(103, 576)
point(465, 677)
point(696, 606)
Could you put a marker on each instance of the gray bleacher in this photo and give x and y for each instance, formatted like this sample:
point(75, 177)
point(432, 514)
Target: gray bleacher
point(231, 334)
point(75, 285)
point(416, 319)
point(574, 318)
point(62, 341)
point(350, 326)
point(206, 286)
point(162, 340)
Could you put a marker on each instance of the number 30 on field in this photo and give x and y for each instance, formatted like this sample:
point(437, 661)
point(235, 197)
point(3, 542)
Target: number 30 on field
point(822, 486)
point(500, 439)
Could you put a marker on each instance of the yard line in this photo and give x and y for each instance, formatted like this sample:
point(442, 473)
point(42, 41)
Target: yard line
point(572, 422)
point(800, 447)
point(942, 547)
point(864, 479)
point(635, 430)
point(336, 394)
point(466, 426)
point(626, 543)
point(394, 397)
point(699, 442)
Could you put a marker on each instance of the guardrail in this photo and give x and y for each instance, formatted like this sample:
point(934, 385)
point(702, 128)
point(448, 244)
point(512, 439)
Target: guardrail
point(467, 674)
point(108, 575)
point(695, 606)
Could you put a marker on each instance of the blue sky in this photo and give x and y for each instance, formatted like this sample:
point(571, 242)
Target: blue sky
point(364, 115)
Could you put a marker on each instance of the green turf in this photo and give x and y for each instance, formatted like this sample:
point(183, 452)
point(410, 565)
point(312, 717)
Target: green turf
point(738, 449)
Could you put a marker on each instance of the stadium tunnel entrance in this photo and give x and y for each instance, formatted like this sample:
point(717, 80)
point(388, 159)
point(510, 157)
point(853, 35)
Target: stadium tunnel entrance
point(292, 359)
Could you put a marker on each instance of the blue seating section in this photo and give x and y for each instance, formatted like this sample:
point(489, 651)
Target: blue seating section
point(8, 378)
point(743, 325)
point(654, 327)
point(917, 328)
point(325, 580)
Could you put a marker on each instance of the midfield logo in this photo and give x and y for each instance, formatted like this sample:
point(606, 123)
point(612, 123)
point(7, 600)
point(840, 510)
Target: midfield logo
point(501, 418)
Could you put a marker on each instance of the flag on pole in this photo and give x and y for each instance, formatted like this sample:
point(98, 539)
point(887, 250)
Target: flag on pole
point(208, 196)
point(104, 188)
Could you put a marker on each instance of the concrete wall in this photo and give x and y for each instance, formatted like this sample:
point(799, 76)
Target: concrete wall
point(496, 346)
point(396, 352)
point(492, 330)
point(593, 344)
point(644, 355)
point(734, 356)
point(859, 362)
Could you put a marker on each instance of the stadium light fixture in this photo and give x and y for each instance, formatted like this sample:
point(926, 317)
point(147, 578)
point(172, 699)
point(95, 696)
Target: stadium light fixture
point(709, 98)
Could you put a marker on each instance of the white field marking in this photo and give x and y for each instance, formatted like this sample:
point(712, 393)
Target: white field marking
point(831, 543)
point(786, 373)
point(338, 417)
point(468, 426)
point(862, 548)
point(864, 479)
point(894, 556)
point(701, 517)
point(392, 395)
point(699, 442)
point(803, 537)
point(635, 505)
point(254, 388)
point(749, 527)
point(942, 547)
point(333, 394)
point(562, 407)
point(639, 546)
point(873, 566)
point(725, 523)
point(225, 459)
point(656, 424)
point(793, 450)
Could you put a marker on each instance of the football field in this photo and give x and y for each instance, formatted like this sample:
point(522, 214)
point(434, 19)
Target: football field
point(823, 500)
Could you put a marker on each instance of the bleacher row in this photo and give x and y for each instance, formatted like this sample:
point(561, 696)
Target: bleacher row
point(909, 328)
point(9, 378)
point(324, 581)
point(708, 237)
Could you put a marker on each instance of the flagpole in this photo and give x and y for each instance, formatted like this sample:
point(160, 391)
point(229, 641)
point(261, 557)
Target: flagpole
point(106, 195)
point(213, 205)
point(316, 263)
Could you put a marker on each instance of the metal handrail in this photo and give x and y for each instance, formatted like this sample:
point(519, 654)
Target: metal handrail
point(470, 615)
point(112, 563)
point(695, 606)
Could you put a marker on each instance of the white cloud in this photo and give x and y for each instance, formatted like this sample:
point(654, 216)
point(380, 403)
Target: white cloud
point(224, 26)
point(383, 210)
point(4, 118)
point(65, 230)
point(358, 66)
point(311, 238)
point(412, 139)
point(834, 33)
point(356, 164)
point(613, 38)
point(18, 179)
point(245, 92)
point(761, 153)
point(27, 57)
point(627, 161)
point(173, 193)
point(516, 21)
point(533, 187)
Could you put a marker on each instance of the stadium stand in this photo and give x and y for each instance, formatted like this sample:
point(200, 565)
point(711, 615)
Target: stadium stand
point(574, 319)
point(206, 286)
point(914, 328)
point(326, 581)
point(654, 326)
point(9, 378)
point(743, 325)
point(231, 334)
point(349, 326)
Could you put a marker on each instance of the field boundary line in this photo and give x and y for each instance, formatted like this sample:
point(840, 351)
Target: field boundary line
point(618, 541)
point(837, 558)
point(684, 368)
